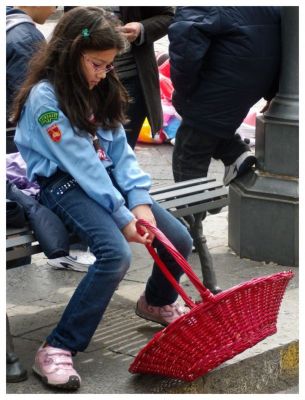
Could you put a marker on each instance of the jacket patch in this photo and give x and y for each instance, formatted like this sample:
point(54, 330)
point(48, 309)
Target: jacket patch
point(48, 117)
point(54, 133)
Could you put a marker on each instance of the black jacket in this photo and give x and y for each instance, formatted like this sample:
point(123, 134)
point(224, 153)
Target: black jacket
point(22, 41)
point(48, 228)
point(223, 60)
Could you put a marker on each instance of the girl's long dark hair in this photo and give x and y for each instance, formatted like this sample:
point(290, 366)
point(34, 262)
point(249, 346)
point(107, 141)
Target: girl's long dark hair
point(59, 62)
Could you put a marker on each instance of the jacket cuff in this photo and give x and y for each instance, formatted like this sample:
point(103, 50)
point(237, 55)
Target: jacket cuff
point(137, 197)
point(122, 217)
point(140, 38)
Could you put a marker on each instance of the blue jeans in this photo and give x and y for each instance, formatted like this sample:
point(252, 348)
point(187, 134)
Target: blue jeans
point(94, 224)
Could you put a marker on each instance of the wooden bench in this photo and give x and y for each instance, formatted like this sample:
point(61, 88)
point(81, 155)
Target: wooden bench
point(20, 243)
point(189, 201)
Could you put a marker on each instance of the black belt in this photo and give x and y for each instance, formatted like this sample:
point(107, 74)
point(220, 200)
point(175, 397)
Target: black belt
point(44, 181)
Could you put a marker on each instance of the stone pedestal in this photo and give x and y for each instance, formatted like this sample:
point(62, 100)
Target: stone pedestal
point(277, 146)
point(263, 218)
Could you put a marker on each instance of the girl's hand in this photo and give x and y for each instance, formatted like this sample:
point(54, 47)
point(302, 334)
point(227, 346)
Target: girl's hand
point(143, 211)
point(131, 234)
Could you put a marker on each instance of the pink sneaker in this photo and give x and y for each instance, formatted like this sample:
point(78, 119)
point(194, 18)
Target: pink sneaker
point(162, 315)
point(55, 367)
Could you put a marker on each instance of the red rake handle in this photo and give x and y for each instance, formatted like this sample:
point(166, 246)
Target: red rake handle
point(203, 291)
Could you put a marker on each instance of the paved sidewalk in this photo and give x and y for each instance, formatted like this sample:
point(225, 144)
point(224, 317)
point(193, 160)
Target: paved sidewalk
point(37, 294)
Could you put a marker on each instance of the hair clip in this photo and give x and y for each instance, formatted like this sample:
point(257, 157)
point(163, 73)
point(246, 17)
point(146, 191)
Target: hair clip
point(85, 33)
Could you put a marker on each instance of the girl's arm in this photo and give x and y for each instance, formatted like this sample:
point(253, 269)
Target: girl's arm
point(132, 181)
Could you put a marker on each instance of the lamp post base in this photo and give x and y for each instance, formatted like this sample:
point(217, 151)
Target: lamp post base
point(263, 218)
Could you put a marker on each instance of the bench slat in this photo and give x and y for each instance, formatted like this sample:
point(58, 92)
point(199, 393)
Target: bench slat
point(17, 231)
point(203, 198)
point(22, 251)
point(20, 240)
point(206, 187)
point(178, 185)
point(196, 208)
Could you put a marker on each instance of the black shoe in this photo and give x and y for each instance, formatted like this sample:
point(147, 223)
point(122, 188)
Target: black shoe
point(14, 370)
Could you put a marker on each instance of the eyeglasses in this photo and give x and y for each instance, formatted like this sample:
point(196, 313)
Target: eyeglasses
point(98, 68)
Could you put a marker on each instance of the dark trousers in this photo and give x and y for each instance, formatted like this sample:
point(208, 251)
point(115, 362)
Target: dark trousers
point(137, 110)
point(194, 149)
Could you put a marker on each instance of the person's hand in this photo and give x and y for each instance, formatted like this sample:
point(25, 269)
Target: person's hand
point(131, 31)
point(131, 234)
point(143, 211)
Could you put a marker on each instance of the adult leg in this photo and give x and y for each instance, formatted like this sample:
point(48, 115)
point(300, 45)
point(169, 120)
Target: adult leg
point(192, 153)
point(90, 299)
point(236, 156)
point(136, 109)
point(228, 150)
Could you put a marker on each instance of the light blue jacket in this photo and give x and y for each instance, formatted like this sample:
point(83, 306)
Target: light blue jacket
point(75, 154)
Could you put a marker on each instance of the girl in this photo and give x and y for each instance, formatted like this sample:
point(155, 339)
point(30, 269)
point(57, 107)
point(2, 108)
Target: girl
point(70, 114)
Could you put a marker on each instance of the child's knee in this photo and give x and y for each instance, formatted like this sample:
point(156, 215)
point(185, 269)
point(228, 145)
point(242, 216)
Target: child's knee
point(124, 254)
point(117, 256)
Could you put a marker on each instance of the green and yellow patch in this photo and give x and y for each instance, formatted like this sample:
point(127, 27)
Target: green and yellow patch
point(48, 117)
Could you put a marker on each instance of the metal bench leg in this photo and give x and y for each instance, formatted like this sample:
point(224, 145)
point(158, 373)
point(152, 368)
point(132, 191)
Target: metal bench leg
point(208, 273)
point(14, 370)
